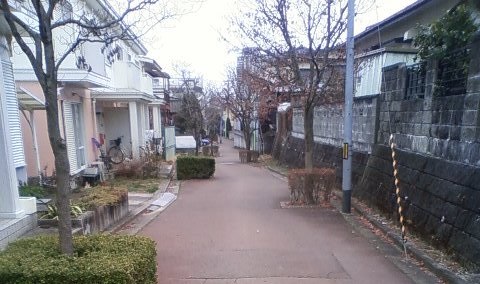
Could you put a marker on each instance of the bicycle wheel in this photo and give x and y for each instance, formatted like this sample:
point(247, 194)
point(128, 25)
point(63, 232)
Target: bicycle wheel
point(116, 155)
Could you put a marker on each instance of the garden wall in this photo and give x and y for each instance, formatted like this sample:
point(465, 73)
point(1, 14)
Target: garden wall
point(440, 198)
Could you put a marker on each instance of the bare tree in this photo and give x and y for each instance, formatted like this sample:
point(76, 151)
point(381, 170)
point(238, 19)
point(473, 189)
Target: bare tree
point(241, 98)
point(189, 89)
point(212, 110)
point(301, 40)
point(190, 117)
point(35, 24)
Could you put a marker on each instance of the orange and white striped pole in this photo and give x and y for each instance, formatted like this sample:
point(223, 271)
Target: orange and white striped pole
point(397, 193)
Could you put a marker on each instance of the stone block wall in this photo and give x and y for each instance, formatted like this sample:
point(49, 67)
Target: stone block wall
point(440, 199)
point(444, 127)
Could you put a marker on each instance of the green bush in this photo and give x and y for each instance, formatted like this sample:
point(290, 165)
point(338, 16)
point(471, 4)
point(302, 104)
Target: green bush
point(97, 259)
point(31, 190)
point(191, 167)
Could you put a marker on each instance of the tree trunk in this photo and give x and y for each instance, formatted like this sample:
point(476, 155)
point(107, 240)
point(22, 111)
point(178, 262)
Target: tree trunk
point(308, 130)
point(308, 189)
point(247, 136)
point(198, 140)
point(62, 167)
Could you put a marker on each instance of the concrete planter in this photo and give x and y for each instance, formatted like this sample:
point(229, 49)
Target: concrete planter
point(107, 215)
point(97, 220)
point(79, 222)
point(28, 204)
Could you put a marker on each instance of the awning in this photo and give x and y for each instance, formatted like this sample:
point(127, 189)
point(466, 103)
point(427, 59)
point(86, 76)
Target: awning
point(28, 101)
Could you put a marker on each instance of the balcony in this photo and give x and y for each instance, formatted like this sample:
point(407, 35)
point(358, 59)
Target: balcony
point(128, 75)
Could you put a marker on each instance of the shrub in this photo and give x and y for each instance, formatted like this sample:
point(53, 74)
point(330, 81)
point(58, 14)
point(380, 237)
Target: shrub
point(130, 169)
point(190, 167)
point(247, 156)
point(97, 259)
point(306, 184)
point(101, 195)
point(210, 150)
point(52, 212)
point(31, 190)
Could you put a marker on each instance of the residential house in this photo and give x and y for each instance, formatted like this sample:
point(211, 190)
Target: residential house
point(159, 110)
point(390, 41)
point(105, 92)
point(161, 90)
point(17, 215)
point(122, 109)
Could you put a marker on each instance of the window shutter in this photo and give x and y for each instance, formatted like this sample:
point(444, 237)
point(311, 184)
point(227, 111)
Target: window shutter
point(13, 115)
point(70, 136)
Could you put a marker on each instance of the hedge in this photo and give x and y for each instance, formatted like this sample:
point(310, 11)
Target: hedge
point(191, 167)
point(97, 259)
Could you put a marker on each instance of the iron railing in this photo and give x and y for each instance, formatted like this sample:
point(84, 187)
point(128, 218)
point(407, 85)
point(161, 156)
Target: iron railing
point(416, 80)
point(453, 73)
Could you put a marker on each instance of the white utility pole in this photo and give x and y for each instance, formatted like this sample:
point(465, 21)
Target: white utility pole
point(347, 143)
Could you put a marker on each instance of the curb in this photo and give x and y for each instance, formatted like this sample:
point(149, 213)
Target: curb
point(438, 270)
point(134, 213)
point(148, 217)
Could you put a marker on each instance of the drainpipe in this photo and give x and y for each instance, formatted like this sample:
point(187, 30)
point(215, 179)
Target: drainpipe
point(35, 143)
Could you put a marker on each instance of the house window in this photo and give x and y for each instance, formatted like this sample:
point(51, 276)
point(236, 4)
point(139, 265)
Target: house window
point(67, 10)
point(119, 52)
point(63, 11)
point(416, 81)
point(78, 132)
point(129, 57)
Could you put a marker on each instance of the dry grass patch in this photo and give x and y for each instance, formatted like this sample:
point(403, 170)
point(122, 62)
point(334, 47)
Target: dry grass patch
point(148, 185)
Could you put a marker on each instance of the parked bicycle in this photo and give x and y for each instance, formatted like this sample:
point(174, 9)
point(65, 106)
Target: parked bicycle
point(152, 147)
point(116, 153)
point(103, 156)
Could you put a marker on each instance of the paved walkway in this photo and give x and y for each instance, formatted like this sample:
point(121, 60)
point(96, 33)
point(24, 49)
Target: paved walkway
point(231, 229)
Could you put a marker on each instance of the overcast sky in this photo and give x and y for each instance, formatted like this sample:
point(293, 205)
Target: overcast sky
point(194, 40)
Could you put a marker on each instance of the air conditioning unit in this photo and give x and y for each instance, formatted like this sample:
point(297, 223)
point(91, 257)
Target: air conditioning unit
point(96, 172)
